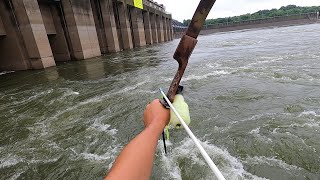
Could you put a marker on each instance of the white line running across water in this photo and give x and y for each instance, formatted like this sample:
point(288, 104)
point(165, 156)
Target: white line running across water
point(211, 164)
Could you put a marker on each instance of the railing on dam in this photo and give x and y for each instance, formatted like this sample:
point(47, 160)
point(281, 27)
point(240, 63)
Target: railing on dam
point(178, 28)
point(155, 5)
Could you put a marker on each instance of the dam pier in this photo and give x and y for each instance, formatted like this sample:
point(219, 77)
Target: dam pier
point(35, 34)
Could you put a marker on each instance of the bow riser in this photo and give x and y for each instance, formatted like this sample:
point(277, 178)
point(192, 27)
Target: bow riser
point(182, 55)
point(188, 43)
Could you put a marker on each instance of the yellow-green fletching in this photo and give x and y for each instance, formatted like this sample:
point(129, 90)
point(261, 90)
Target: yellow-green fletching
point(167, 133)
point(182, 108)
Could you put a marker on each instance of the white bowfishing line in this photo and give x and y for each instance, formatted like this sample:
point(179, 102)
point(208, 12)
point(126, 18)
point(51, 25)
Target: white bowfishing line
point(205, 155)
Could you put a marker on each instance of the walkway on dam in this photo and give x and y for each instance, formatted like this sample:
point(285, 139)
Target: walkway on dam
point(35, 34)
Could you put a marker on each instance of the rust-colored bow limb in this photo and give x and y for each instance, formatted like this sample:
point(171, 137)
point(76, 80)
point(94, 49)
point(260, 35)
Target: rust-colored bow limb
point(188, 43)
point(185, 48)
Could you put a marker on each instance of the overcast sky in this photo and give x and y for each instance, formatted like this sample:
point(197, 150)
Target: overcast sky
point(184, 9)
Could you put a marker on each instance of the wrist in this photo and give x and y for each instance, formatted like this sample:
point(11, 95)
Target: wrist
point(157, 127)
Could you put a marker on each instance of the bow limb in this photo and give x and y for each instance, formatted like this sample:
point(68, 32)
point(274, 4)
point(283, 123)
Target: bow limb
point(188, 43)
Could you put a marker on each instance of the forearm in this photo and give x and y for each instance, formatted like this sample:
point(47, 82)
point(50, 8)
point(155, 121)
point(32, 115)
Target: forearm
point(136, 160)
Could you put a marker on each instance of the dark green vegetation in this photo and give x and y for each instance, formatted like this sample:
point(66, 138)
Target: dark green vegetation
point(262, 14)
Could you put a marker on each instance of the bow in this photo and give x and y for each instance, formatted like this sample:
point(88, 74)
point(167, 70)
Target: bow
point(188, 43)
point(185, 48)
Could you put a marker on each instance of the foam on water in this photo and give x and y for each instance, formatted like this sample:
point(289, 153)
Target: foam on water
point(69, 92)
point(99, 98)
point(230, 166)
point(10, 161)
point(33, 96)
point(270, 161)
point(109, 155)
point(308, 113)
point(16, 175)
point(191, 77)
point(6, 72)
point(99, 126)
point(130, 88)
point(13, 160)
point(95, 157)
point(256, 133)
point(213, 65)
point(204, 76)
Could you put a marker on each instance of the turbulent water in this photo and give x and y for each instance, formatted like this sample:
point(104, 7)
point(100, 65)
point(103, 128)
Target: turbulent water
point(254, 99)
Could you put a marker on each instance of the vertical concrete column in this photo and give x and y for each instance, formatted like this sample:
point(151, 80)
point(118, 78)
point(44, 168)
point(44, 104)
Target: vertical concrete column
point(13, 53)
point(160, 29)
point(97, 16)
point(81, 28)
point(110, 28)
point(125, 26)
point(170, 29)
point(154, 28)
point(165, 32)
point(47, 18)
point(59, 43)
point(2, 30)
point(138, 27)
point(55, 32)
point(147, 27)
point(34, 33)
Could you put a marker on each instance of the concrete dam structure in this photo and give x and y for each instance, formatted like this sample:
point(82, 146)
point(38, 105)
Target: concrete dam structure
point(35, 34)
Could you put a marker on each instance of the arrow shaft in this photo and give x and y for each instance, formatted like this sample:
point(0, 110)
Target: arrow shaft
point(205, 155)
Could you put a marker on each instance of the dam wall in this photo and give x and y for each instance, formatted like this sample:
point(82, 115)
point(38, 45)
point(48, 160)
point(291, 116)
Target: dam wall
point(36, 34)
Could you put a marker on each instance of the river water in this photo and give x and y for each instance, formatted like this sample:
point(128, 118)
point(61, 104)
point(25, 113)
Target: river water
point(254, 99)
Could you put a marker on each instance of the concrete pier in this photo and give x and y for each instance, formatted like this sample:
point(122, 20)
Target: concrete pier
point(139, 37)
point(105, 24)
point(160, 29)
point(55, 32)
point(2, 30)
point(147, 27)
point(154, 28)
point(81, 28)
point(170, 29)
point(165, 32)
point(35, 34)
point(125, 29)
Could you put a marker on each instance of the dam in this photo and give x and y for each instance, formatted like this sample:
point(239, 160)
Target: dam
point(37, 34)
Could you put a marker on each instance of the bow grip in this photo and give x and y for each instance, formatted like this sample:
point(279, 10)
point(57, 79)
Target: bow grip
point(182, 55)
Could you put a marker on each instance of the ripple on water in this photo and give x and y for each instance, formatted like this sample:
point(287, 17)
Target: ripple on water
point(6, 72)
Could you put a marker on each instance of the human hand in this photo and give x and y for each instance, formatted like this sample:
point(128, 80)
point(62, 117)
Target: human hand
point(156, 115)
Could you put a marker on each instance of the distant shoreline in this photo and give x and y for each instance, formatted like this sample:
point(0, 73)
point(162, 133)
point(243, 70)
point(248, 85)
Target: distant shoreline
point(259, 26)
point(281, 21)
